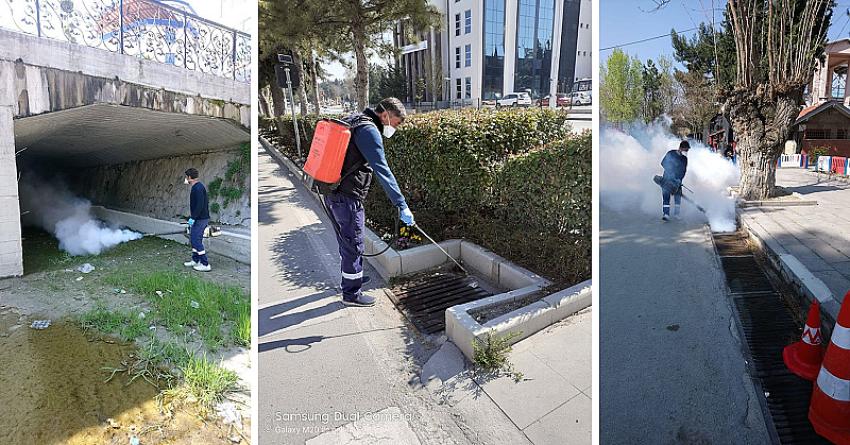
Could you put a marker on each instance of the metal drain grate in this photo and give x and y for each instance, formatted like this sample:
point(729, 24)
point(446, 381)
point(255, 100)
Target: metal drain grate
point(744, 275)
point(767, 326)
point(424, 300)
point(731, 245)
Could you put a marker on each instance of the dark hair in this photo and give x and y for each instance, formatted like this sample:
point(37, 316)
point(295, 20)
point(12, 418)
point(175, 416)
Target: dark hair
point(192, 173)
point(684, 144)
point(393, 106)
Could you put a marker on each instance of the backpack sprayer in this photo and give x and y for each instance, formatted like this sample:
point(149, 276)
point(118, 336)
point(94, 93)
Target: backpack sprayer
point(324, 165)
point(660, 180)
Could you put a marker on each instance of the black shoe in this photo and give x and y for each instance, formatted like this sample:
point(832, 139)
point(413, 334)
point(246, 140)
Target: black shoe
point(665, 218)
point(362, 300)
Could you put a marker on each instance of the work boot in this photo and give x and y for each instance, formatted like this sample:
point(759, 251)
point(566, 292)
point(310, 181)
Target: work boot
point(190, 263)
point(361, 300)
point(202, 268)
point(665, 217)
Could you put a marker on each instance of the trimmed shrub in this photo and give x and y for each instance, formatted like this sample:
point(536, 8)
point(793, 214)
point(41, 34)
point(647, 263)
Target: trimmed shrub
point(517, 182)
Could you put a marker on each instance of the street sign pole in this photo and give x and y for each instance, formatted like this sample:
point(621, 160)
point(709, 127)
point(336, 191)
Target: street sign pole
point(294, 118)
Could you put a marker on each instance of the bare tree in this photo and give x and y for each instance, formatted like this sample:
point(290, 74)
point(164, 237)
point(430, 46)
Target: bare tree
point(778, 43)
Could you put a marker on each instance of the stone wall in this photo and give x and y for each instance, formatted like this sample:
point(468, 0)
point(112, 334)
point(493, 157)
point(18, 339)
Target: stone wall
point(155, 188)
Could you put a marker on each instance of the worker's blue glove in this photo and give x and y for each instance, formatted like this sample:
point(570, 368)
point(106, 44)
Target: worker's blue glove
point(407, 217)
point(191, 222)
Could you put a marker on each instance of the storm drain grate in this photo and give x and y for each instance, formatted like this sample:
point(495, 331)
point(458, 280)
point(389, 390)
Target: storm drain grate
point(424, 300)
point(731, 245)
point(744, 275)
point(767, 326)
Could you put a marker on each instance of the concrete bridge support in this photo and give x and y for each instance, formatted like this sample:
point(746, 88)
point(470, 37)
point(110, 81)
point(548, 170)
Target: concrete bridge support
point(11, 251)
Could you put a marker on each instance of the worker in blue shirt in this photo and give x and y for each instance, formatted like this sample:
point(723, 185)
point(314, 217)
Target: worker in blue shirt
point(199, 219)
point(364, 159)
point(675, 165)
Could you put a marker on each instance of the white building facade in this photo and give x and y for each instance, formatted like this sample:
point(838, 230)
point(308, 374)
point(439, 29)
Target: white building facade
point(489, 48)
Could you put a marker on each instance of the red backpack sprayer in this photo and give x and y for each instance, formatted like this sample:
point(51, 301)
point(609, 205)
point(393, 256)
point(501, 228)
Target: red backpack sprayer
point(324, 165)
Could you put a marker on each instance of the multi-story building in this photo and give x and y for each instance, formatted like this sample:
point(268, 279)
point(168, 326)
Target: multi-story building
point(485, 49)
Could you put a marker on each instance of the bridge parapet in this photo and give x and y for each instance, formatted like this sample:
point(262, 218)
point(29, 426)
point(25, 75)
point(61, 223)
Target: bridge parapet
point(144, 29)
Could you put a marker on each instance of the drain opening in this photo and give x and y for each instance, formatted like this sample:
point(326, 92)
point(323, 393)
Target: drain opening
point(767, 326)
point(424, 300)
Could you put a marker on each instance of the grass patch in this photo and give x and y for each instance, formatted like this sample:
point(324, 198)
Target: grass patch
point(204, 383)
point(183, 301)
point(490, 355)
point(241, 333)
point(125, 324)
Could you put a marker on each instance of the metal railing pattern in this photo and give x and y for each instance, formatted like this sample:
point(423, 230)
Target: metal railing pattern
point(148, 29)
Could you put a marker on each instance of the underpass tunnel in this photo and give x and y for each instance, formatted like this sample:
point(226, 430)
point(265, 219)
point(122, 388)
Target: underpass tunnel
point(129, 164)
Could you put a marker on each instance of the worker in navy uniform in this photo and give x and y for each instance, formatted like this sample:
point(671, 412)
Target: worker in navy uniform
point(364, 159)
point(199, 219)
point(675, 165)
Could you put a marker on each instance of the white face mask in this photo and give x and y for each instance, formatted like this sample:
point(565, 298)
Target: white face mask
point(389, 131)
point(186, 181)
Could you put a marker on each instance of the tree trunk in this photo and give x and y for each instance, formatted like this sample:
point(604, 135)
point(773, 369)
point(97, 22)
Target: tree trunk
point(264, 104)
point(361, 79)
point(301, 91)
point(278, 99)
point(762, 125)
point(314, 83)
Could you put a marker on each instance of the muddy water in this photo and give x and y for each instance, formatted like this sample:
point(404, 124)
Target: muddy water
point(52, 391)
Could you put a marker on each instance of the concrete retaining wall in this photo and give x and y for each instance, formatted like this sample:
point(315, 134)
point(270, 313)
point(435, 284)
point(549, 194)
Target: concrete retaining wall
point(11, 250)
point(155, 188)
point(235, 247)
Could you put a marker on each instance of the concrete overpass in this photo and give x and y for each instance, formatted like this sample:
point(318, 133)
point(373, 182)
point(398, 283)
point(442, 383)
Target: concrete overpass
point(80, 109)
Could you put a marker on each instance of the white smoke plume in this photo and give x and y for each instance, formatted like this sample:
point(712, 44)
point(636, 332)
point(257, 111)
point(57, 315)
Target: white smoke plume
point(629, 161)
point(67, 217)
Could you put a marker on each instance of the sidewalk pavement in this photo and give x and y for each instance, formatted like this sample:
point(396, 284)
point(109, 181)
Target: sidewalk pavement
point(553, 403)
point(335, 375)
point(816, 235)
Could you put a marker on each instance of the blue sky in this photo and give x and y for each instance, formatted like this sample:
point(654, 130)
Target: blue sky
point(622, 21)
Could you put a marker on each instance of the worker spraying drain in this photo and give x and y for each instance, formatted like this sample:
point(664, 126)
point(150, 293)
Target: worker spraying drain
point(344, 157)
point(675, 165)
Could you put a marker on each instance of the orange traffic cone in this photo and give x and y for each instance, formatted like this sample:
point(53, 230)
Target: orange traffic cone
point(829, 410)
point(804, 357)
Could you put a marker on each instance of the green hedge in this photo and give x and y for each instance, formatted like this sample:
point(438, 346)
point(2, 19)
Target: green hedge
point(515, 181)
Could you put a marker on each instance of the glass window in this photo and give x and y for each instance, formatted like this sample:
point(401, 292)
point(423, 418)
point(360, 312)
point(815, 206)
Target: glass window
point(535, 25)
point(457, 24)
point(457, 57)
point(459, 88)
point(467, 18)
point(469, 88)
point(494, 49)
point(468, 56)
point(839, 82)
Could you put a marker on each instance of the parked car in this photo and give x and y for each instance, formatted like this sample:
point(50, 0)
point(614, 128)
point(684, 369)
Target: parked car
point(581, 97)
point(563, 100)
point(514, 100)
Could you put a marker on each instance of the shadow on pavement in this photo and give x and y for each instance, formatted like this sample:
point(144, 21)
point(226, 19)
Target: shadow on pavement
point(307, 342)
point(280, 316)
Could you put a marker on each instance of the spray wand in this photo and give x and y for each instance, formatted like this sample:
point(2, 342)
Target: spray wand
point(658, 180)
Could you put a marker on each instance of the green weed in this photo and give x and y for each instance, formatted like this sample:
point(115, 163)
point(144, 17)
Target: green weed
point(204, 382)
point(490, 355)
point(125, 324)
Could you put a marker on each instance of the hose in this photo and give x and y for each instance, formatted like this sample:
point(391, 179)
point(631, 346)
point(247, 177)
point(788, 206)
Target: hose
point(337, 229)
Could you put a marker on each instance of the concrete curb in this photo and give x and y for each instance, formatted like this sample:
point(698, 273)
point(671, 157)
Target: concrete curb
point(234, 247)
point(792, 271)
point(463, 330)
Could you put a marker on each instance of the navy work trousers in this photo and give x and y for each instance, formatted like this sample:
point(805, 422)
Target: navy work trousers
point(196, 238)
point(350, 218)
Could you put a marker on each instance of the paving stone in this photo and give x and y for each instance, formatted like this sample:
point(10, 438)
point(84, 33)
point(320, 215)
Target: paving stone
point(570, 423)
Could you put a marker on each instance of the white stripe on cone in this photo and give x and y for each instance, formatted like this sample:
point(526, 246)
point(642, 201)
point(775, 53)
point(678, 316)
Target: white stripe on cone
point(835, 387)
point(841, 336)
